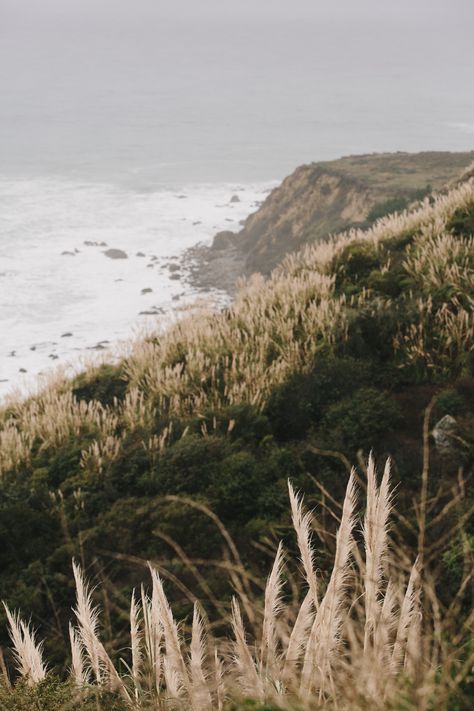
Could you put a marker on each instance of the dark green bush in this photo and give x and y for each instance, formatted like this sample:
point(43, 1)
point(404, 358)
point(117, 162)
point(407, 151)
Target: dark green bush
point(300, 402)
point(103, 384)
point(359, 421)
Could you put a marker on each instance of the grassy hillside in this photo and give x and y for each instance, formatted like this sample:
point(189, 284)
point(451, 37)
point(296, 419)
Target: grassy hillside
point(324, 198)
point(181, 453)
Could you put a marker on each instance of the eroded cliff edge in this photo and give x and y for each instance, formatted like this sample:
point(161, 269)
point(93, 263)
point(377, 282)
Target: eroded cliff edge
point(320, 199)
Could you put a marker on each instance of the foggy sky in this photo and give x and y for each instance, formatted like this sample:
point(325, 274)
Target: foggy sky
point(403, 11)
point(166, 78)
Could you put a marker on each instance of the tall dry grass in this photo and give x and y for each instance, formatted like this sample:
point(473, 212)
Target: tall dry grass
point(365, 638)
point(275, 328)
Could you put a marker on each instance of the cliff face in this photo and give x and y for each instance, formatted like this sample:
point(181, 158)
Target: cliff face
point(323, 198)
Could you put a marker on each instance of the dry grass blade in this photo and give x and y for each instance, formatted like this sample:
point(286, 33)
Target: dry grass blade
point(174, 665)
point(273, 592)
point(248, 678)
point(325, 630)
point(375, 542)
point(298, 638)
point(88, 619)
point(135, 642)
point(200, 695)
point(78, 670)
point(28, 653)
point(302, 526)
point(405, 620)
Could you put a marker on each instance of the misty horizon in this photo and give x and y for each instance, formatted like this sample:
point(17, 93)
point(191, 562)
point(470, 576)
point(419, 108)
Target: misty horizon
point(209, 91)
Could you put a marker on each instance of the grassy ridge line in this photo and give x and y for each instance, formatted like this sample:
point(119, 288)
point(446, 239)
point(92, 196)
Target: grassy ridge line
point(274, 329)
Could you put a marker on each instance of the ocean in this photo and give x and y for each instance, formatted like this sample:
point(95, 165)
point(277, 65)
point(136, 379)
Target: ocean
point(134, 123)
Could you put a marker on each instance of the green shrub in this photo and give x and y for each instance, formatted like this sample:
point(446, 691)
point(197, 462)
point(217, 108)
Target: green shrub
point(450, 402)
point(354, 264)
point(359, 421)
point(299, 403)
point(103, 384)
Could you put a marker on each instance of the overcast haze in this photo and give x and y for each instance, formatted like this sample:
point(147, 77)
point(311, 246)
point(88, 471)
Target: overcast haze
point(133, 123)
point(216, 90)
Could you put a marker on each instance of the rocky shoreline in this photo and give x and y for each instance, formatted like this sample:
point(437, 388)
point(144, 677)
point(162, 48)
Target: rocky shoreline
point(219, 266)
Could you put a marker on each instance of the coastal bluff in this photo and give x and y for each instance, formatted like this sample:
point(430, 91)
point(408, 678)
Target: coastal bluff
point(320, 199)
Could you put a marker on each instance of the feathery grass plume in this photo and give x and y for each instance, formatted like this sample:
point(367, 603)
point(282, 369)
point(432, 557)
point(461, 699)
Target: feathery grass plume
point(219, 672)
point(375, 530)
point(342, 666)
point(152, 635)
point(302, 526)
point(28, 652)
point(200, 694)
point(135, 642)
point(325, 631)
point(248, 678)
point(174, 665)
point(298, 638)
point(78, 670)
point(273, 604)
point(87, 616)
point(406, 618)
point(88, 619)
point(385, 629)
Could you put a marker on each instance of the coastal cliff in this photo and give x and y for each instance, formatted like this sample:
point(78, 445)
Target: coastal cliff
point(323, 198)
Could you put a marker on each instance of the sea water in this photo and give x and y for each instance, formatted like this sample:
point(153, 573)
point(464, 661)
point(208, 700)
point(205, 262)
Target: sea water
point(134, 122)
point(62, 296)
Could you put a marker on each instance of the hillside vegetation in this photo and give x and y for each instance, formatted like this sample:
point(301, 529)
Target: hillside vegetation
point(180, 455)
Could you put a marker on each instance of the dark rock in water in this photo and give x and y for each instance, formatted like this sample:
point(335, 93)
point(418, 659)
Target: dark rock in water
point(155, 311)
point(146, 291)
point(116, 280)
point(175, 276)
point(22, 370)
point(198, 222)
point(103, 244)
point(173, 267)
point(116, 254)
point(235, 198)
point(3, 380)
point(12, 354)
point(91, 243)
point(181, 197)
point(53, 356)
point(76, 250)
point(32, 348)
point(224, 240)
point(140, 254)
point(66, 335)
point(66, 253)
point(176, 297)
point(445, 434)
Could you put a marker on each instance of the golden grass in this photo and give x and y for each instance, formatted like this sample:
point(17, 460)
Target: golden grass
point(275, 328)
point(365, 640)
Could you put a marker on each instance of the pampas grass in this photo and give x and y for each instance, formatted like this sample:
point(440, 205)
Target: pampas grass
point(274, 329)
point(362, 644)
point(27, 652)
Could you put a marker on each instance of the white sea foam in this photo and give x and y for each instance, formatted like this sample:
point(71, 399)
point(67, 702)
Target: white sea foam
point(53, 284)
